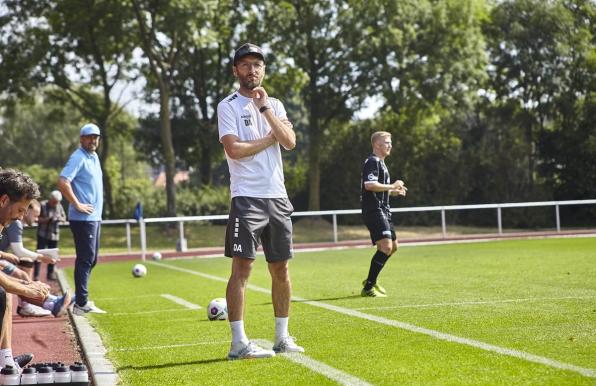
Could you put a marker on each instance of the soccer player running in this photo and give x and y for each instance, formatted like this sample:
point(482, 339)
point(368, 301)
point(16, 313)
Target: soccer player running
point(376, 189)
point(252, 126)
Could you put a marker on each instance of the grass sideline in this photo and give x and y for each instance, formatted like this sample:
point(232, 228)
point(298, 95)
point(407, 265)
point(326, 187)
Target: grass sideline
point(537, 296)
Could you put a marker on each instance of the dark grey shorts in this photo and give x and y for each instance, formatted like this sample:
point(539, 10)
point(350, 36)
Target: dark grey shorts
point(254, 221)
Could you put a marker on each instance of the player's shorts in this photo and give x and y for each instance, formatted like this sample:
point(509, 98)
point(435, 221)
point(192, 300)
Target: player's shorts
point(254, 221)
point(7, 267)
point(380, 226)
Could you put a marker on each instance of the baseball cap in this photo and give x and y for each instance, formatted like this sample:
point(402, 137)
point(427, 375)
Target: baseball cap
point(248, 49)
point(89, 129)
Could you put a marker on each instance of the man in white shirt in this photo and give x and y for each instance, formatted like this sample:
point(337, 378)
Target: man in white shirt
point(252, 126)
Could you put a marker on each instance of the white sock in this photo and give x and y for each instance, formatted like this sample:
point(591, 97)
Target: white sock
point(6, 358)
point(281, 328)
point(238, 334)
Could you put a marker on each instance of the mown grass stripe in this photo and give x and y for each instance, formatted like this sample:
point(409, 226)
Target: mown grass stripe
point(476, 302)
point(588, 372)
point(318, 367)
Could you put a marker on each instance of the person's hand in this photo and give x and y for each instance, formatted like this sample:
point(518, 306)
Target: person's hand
point(399, 189)
point(46, 259)
point(260, 97)
point(84, 208)
point(10, 257)
point(37, 290)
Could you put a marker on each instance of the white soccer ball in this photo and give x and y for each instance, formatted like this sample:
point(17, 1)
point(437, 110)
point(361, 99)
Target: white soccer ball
point(156, 256)
point(217, 309)
point(139, 270)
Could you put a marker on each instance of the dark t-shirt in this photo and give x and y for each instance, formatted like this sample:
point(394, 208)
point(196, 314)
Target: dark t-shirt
point(374, 170)
point(13, 233)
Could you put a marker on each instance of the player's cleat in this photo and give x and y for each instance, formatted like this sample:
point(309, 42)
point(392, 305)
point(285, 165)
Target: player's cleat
point(287, 344)
point(88, 307)
point(372, 293)
point(376, 287)
point(28, 309)
point(249, 351)
point(61, 304)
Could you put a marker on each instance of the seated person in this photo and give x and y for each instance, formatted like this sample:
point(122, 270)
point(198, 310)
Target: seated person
point(13, 238)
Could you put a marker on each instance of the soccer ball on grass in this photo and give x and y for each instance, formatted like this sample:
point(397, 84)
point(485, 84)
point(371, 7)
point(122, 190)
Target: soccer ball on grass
point(156, 256)
point(217, 309)
point(139, 270)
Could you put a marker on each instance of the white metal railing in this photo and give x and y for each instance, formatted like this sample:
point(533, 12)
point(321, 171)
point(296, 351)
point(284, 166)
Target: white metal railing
point(334, 213)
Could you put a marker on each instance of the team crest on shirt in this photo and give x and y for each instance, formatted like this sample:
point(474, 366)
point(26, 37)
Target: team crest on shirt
point(371, 177)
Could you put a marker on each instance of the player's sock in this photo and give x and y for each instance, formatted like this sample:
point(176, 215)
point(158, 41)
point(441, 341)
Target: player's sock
point(281, 328)
point(376, 265)
point(6, 358)
point(238, 334)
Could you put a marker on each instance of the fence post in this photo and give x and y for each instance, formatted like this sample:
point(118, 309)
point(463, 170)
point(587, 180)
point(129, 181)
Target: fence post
point(499, 220)
point(335, 228)
point(128, 242)
point(143, 238)
point(181, 244)
point(443, 223)
point(558, 218)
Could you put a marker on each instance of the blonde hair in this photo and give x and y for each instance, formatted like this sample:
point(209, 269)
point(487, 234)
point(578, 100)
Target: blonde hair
point(378, 134)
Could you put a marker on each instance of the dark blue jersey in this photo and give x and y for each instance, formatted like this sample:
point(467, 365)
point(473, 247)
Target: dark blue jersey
point(374, 170)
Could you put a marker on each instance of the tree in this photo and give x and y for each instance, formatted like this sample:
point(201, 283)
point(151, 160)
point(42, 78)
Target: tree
point(78, 46)
point(326, 47)
point(165, 31)
point(529, 59)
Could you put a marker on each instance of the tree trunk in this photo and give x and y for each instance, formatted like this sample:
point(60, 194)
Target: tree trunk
point(314, 158)
point(168, 147)
point(205, 166)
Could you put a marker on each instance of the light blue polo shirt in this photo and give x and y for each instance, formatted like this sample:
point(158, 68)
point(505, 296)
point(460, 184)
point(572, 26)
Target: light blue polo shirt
point(83, 170)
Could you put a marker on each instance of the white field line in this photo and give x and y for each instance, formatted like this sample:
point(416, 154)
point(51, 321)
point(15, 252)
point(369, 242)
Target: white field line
point(148, 312)
point(588, 372)
point(127, 297)
point(182, 302)
point(318, 367)
point(477, 302)
point(170, 346)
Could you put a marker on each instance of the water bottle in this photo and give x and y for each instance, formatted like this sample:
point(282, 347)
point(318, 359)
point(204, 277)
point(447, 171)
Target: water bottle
point(45, 375)
point(78, 373)
point(61, 374)
point(29, 376)
point(9, 376)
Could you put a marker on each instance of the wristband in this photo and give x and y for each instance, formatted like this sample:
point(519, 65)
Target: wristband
point(264, 108)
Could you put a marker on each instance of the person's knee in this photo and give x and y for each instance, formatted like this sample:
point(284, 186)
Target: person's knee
point(279, 271)
point(241, 269)
point(385, 246)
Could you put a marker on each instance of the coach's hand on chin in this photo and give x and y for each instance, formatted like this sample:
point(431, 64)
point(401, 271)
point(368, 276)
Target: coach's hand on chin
point(260, 97)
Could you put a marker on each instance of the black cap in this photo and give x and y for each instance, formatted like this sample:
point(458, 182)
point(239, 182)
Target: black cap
point(248, 49)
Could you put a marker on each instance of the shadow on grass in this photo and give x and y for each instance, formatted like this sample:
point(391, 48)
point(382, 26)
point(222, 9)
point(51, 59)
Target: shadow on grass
point(172, 364)
point(317, 300)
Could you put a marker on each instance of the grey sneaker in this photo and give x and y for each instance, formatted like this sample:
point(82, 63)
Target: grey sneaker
point(88, 307)
point(249, 351)
point(287, 344)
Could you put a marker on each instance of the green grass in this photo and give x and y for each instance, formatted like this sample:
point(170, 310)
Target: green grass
point(537, 296)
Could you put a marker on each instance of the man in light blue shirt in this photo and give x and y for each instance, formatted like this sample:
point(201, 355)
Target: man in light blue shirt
point(81, 184)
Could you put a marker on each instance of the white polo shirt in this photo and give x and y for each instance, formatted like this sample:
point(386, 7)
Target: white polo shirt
point(260, 175)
